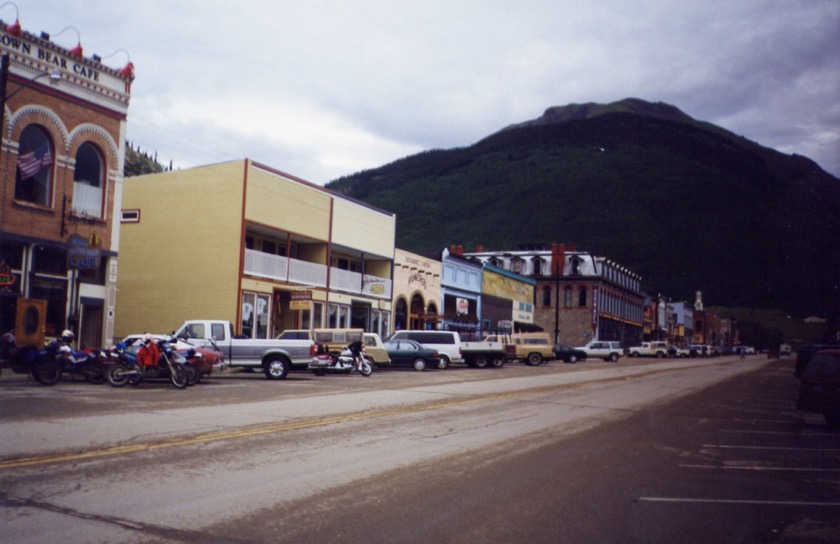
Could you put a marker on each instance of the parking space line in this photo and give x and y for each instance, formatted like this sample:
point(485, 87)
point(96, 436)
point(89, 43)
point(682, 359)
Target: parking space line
point(778, 448)
point(760, 468)
point(794, 433)
point(737, 501)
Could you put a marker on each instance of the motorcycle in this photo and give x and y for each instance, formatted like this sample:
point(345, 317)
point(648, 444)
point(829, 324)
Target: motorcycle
point(352, 358)
point(38, 363)
point(81, 364)
point(171, 364)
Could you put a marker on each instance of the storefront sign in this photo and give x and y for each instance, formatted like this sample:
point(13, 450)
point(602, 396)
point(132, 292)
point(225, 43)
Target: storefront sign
point(80, 256)
point(300, 295)
point(300, 305)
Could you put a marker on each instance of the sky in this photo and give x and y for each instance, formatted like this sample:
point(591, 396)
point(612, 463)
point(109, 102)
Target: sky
point(321, 89)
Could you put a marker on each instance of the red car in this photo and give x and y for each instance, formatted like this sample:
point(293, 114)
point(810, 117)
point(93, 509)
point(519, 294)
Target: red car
point(819, 389)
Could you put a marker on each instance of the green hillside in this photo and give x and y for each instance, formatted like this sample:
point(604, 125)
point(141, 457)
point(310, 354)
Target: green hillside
point(683, 203)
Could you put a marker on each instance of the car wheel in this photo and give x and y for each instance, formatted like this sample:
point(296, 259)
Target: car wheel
point(634, 354)
point(613, 357)
point(419, 364)
point(535, 359)
point(481, 361)
point(571, 359)
point(443, 363)
point(276, 368)
point(497, 362)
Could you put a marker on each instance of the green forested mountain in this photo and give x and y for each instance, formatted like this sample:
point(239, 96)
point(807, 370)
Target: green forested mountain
point(686, 204)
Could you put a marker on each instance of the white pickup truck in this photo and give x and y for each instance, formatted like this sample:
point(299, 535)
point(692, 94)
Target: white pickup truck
point(274, 357)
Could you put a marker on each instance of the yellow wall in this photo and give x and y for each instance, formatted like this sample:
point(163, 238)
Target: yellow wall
point(364, 229)
point(287, 205)
point(181, 261)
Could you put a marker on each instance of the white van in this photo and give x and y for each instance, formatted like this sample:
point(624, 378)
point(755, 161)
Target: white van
point(447, 343)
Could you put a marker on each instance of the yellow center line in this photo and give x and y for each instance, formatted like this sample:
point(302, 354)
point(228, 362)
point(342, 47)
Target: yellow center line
point(262, 429)
point(252, 431)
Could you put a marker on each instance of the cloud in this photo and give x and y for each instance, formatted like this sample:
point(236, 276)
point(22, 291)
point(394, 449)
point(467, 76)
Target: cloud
point(324, 88)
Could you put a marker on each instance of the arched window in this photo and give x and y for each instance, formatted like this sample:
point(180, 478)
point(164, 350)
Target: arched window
point(33, 179)
point(582, 297)
point(88, 181)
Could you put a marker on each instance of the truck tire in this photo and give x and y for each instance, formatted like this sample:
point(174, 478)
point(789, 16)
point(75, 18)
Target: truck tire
point(497, 362)
point(443, 363)
point(534, 359)
point(634, 354)
point(276, 368)
point(480, 361)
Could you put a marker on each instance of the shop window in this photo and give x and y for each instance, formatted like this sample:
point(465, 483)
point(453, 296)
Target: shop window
point(255, 308)
point(88, 181)
point(34, 176)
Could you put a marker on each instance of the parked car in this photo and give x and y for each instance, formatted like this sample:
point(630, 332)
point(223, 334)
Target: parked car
point(606, 350)
point(569, 354)
point(408, 353)
point(701, 350)
point(447, 343)
point(678, 352)
point(819, 387)
point(806, 352)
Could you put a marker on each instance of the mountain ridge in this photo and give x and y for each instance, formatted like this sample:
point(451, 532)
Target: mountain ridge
point(686, 204)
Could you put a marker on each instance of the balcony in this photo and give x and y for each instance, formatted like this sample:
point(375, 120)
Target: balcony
point(274, 267)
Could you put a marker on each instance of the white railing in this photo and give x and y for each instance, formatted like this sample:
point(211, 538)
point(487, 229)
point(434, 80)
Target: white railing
point(274, 267)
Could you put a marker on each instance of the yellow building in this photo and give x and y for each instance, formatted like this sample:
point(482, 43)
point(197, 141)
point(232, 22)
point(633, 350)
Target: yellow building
point(417, 293)
point(243, 242)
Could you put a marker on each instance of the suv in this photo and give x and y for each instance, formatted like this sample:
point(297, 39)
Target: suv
point(447, 343)
point(602, 349)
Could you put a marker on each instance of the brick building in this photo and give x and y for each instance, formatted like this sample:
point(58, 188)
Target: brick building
point(61, 162)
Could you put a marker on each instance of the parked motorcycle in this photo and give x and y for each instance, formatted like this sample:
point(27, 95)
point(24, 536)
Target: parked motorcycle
point(37, 362)
point(80, 364)
point(171, 364)
point(352, 358)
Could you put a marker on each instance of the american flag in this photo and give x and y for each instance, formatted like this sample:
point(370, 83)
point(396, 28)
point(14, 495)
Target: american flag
point(33, 162)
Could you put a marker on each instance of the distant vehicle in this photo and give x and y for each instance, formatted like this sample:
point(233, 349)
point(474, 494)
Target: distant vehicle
point(447, 343)
point(785, 350)
point(601, 349)
point(568, 354)
point(819, 386)
point(408, 353)
point(678, 352)
point(650, 349)
point(533, 348)
point(703, 350)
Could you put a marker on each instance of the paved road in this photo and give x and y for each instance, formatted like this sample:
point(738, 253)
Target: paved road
point(641, 451)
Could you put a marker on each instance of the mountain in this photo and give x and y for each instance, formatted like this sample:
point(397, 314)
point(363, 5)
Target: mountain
point(686, 204)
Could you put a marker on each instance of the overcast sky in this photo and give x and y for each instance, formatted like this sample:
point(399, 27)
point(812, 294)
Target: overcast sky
point(321, 89)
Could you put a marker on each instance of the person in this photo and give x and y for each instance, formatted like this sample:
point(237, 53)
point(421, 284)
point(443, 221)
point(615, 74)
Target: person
point(148, 354)
point(356, 349)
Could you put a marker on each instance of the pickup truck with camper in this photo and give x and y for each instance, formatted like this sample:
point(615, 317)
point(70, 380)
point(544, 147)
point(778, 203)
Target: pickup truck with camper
point(650, 349)
point(533, 348)
point(274, 357)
